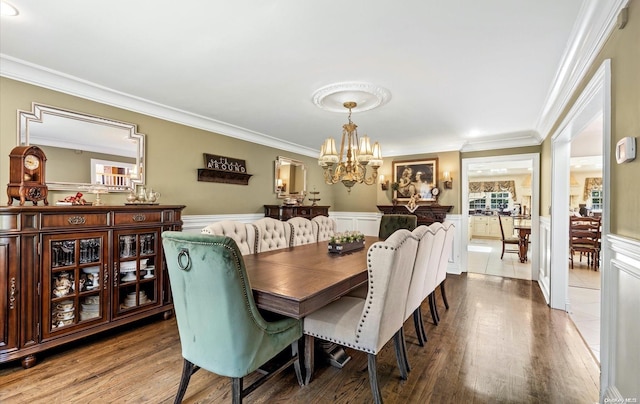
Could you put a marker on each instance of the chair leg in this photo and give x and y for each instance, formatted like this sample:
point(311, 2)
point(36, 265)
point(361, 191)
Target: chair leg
point(373, 379)
point(188, 369)
point(444, 295)
point(424, 332)
point(416, 323)
point(502, 255)
point(400, 357)
point(295, 349)
point(236, 390)
point(433, 309)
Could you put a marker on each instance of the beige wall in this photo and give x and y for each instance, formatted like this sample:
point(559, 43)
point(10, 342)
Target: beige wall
point(623, 50)
point(174, 153)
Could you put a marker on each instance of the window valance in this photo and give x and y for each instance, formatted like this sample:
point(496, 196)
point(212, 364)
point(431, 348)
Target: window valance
point(494, 186)
point(589, 184)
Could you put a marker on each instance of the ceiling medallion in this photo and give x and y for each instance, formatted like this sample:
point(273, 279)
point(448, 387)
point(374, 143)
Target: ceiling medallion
point(366, 95)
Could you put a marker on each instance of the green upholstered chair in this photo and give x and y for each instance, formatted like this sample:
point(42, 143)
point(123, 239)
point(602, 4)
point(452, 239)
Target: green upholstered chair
point(220, 327)
point(393, 222)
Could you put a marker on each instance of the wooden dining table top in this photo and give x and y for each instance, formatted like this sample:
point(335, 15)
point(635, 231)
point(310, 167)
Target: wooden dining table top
point(296, 281)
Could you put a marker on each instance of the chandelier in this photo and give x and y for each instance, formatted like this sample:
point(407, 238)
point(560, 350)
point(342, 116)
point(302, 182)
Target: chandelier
point(350, 168)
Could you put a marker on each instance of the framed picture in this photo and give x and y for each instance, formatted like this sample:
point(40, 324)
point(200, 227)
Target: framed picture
point(415, 177)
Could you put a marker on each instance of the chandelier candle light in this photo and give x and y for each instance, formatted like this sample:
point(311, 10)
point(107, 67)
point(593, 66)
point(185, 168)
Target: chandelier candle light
point(351, 168)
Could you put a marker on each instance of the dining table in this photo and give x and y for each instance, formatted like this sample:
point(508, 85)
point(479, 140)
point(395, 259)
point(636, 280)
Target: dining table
point(299, 280)
point(524, 230)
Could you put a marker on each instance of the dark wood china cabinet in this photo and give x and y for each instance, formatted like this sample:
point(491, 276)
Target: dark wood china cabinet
point(67, 272)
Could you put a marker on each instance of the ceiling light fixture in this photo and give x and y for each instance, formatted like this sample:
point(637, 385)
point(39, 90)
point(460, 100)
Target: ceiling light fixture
point(350, 168)
point(8, 10)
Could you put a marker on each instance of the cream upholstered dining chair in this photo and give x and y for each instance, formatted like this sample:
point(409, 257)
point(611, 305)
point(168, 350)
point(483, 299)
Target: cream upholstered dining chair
point(220, 327)
point(368, 324)
point(303, 231)
point(439, 236)
point(326, 227)
point(271, 234)
point(421, 270)
point(244, 234)
point(444, 261)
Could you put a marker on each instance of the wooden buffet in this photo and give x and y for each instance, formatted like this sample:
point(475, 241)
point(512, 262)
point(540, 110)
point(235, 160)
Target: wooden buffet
point(67, 272)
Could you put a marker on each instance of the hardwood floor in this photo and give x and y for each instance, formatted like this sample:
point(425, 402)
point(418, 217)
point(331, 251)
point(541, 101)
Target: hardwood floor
point(498, 343)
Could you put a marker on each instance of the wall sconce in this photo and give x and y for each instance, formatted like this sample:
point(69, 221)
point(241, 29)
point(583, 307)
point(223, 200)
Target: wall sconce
point(384, 184)
point(281, 186)
point(448, 181)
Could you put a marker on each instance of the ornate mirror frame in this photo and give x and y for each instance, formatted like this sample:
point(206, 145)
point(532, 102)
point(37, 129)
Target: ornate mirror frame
point(290, 177)
point(76, 133)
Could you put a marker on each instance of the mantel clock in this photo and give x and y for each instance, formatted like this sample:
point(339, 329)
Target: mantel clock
point(27, 175)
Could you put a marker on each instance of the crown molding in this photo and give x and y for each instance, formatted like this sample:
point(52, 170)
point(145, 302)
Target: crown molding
point(29, 73)
point(594, 24)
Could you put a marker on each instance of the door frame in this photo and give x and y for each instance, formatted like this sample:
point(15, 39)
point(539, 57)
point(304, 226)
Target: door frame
point(535, 204)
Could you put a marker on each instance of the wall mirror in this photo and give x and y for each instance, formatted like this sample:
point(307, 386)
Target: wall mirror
point(84, 150)
point(290, 177)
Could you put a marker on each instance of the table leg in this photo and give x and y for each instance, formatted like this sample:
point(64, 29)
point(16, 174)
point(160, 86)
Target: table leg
point(524, 246)
point(309, 352)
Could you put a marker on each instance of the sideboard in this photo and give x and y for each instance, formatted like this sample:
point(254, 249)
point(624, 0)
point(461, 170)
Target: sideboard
point(67, 272)
point(286, 212)
point(426, 214)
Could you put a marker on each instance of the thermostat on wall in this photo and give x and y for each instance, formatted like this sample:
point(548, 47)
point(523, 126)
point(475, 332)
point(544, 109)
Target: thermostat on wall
point(626, 150)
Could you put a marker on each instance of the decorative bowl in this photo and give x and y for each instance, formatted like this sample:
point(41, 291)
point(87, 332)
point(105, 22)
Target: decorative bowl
point(65, 315)
point(127, 266)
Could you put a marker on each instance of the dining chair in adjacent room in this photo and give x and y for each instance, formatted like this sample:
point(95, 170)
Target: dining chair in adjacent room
point(326, 227)
point(271, 234)
point(368, 324)
point(220, 327)
point(244, 234)
point(303, 231)
point(392, 222)
point(508, 240)
point(584, 238)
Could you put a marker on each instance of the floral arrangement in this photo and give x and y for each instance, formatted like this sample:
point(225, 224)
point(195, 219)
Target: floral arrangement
point(346, 237)
point(76, 199)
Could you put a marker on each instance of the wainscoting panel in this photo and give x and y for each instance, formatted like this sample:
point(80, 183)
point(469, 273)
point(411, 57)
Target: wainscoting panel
point(366, 222)
point(621, 320)
point(544, 272)
point(195, 223)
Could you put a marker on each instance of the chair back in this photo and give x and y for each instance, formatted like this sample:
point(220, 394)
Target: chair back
point(219, 324)
point(501, 228)
point(390, 264)
point(415, 297)
point(392, 222)
point(584, 233)
point(439, 235)
point(243, 234)
point(326, 227)
point(272, 234)
point(303, 231)
point(447, 247)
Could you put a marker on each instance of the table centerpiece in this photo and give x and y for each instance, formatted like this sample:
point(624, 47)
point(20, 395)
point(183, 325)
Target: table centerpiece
point(341, 243)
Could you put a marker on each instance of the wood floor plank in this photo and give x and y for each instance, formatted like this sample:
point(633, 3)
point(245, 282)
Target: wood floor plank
point(498, 343)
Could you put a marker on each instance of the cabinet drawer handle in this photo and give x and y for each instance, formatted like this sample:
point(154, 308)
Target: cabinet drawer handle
point(12, 294)
point(139, 218)
point(76, 220)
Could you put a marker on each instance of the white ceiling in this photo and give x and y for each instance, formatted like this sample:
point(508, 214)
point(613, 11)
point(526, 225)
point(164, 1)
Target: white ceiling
point(463, 74)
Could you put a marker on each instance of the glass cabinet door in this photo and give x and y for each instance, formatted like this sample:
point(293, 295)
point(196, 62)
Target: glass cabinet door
point(136, 281)
point(74, 281)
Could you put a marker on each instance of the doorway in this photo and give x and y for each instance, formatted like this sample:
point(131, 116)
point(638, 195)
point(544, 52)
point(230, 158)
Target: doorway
point(500, 190)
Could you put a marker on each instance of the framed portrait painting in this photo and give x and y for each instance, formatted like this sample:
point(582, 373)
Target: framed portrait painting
point(413, 177)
